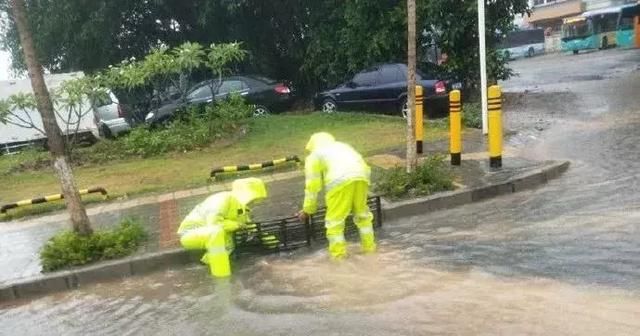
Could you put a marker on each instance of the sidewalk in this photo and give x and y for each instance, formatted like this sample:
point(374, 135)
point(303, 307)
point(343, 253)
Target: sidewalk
point(20, 241)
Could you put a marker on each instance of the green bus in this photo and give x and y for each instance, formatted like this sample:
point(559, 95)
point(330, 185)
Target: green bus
point(595, 29)
point(628, 33)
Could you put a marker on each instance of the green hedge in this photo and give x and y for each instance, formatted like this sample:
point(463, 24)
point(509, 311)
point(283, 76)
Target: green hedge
point(429, 177)
point(68, 249)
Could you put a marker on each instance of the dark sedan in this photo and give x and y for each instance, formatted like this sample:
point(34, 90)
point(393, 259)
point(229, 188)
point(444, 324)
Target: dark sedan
point(384, 87)
point(264, 94)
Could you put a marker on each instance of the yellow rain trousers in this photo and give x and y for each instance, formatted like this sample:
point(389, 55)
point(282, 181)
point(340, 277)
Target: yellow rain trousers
point(344, 175)
point(210, 224)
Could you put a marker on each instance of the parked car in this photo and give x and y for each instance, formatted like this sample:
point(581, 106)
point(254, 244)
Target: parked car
point(384, 87)
point(266, 95)
point(109, 116)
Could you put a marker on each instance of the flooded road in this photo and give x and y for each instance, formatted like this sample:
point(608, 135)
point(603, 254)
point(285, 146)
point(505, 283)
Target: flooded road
point(559, 260)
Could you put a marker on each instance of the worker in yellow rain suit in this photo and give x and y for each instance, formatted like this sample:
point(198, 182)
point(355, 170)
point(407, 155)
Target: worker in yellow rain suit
point(211, 223)
point(345, 177)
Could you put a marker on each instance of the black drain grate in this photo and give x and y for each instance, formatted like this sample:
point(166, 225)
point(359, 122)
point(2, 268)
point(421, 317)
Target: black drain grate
point(287, 234)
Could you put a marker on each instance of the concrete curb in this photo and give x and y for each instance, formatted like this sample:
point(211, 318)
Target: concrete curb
point(140, 265)
point(446, 200)
point(106, 271)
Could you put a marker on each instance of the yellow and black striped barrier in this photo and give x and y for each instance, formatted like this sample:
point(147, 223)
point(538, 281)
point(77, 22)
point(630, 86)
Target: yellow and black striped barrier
point(50, 198)
point(495, 126)
point(419, 118)
point(257, 166)
point(455, 125)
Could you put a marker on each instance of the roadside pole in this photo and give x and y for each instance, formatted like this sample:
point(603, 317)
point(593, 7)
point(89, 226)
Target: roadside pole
point(483, 65)
point(411, 156)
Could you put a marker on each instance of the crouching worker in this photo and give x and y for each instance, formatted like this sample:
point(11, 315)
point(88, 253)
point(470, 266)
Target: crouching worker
point(344, 175)
point(211, 224)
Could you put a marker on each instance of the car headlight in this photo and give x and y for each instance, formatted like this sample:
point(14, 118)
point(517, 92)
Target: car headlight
point(150, 115)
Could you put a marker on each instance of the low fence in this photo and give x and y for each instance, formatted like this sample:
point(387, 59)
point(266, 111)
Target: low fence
point(50, 198)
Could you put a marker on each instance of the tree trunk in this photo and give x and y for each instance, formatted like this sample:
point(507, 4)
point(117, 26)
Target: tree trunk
point(411, 86)
point(55, 139)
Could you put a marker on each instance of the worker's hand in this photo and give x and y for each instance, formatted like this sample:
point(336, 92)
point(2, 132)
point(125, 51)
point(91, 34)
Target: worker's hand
point(302, 216)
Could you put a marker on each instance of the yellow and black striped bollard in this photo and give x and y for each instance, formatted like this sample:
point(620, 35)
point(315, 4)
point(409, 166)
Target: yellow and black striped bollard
point(50, 198)
point(252, 167)
point(419, 118)
point(455, 127)
point(495, 126)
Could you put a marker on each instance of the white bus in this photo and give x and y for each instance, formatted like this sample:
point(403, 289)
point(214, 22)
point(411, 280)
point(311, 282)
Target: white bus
point(522, 43)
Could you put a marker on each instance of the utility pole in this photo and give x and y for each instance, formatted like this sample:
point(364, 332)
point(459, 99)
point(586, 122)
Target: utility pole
point(483, 65)
point(55, 141)
point(412, 160)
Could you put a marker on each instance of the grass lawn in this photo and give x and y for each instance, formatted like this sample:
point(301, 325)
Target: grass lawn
point(268, 138)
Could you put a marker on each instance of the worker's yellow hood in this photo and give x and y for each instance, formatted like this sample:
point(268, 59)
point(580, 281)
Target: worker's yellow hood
point(319, 140)
point(248, 190)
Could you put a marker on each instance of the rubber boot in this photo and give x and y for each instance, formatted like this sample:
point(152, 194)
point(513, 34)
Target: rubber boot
point(368, 243)
point(217, 256)
point(337, 248)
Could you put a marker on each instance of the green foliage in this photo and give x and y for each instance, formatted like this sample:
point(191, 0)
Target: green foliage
point(194, 129)
point(472, 115)
point(28, 159)
point(165, 72)
point(430, 176)
point(314, 43)
point(69, 249)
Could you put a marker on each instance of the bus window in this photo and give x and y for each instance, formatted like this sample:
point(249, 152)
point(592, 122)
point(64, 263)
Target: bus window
point(576, 29)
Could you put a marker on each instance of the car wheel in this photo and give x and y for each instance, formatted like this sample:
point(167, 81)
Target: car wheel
point(105, 132)
point(530, 52)
point(404, 108)
point(261, 111)
point(507, 55)
point(575, 52)
point(605, 43)
point(329, 106)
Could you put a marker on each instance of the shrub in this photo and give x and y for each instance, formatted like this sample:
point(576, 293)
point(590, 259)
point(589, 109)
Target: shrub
point(196, 128)
point(472, 115)
point(29, 159)
point(68, 249)
point(430, 176)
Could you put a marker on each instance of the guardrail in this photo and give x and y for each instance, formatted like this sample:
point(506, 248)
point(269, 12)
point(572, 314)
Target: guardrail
point(50, 198)
point(257, 166)
point(289, 233)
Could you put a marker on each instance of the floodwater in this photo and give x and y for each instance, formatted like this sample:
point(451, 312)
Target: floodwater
point(559, 260)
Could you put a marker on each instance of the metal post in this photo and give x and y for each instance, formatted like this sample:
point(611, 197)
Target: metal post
point(455, 127)
point(483, 65)
point(495, 127)
point(419, 118)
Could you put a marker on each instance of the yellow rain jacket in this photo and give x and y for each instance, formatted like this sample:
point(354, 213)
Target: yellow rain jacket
point(332, 165)
point(226, 209)
point(208, 224)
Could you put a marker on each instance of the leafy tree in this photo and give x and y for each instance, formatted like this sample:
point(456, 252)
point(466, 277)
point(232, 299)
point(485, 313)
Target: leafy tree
point(456, 35)
point(161, 74)
point(314, 43)
point(77, 211)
